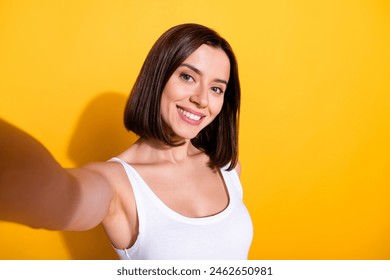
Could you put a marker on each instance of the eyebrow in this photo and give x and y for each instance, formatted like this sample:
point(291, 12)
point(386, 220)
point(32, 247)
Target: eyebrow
point(197, 71)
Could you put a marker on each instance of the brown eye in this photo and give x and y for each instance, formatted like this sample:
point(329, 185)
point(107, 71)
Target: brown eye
point(186, 77)
point(217, 90)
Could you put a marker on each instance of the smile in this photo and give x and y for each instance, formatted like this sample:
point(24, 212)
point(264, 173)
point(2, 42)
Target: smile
point(192, 117)
point(189, 115)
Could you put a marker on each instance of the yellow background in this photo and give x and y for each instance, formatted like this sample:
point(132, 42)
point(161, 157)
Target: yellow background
point(314, 138)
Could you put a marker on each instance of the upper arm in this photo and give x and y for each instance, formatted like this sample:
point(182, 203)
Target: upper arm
point(35, 190)
point(56, 198)
point(92, 197)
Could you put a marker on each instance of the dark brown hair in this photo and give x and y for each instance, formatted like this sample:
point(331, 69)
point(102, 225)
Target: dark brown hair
point(219, 140)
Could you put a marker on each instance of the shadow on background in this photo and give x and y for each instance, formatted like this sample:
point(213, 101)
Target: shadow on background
point(99, 136)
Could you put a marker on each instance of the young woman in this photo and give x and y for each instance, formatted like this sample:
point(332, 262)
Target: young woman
point(175, 193)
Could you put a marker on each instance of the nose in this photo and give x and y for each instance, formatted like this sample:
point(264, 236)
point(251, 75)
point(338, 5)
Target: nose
point(200, 97)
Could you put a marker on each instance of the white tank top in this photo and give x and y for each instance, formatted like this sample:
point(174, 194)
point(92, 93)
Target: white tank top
point(166, 234)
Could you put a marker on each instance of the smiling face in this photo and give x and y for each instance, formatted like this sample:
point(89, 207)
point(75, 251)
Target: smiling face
point(194, 94)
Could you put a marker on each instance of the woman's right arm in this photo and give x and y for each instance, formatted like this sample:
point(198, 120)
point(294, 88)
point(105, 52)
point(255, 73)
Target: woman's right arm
point(36, 191)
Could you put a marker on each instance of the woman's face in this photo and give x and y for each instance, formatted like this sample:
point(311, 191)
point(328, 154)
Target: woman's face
point(194, 94)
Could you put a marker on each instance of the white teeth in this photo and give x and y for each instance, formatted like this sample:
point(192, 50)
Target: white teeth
point(189, 115)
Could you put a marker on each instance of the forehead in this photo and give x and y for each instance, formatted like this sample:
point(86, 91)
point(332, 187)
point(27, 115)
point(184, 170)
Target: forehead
point(210, 61)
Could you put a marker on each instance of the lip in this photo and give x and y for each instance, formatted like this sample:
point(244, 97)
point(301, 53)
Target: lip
point(187, 119)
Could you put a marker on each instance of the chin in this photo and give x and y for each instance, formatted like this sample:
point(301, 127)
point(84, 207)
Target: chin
point(186, 132)
point(184, 135)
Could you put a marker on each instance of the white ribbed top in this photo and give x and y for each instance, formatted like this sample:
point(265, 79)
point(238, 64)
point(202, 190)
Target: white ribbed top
point(166, 234)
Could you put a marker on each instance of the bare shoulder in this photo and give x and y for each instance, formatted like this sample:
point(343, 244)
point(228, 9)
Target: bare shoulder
point(113, 174)
point(120, 222)
point(100, 183)
point(96, 173)
point(109, 171)
point(238, 168)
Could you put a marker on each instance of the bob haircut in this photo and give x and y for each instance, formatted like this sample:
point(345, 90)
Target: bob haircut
point(219, 140)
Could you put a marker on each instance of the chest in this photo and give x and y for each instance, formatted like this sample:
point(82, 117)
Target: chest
point(189, 191)
point(227, 235)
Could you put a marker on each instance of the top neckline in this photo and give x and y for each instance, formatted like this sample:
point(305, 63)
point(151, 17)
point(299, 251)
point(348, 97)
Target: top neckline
point(172, 213)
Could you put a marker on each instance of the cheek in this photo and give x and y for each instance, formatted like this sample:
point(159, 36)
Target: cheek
point(167, 105)
point(215, 109)
point(216, 105)
point(167, 96)
point(164, 107)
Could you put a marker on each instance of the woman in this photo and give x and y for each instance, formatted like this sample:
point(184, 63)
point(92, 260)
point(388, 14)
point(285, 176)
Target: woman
point(175, 193)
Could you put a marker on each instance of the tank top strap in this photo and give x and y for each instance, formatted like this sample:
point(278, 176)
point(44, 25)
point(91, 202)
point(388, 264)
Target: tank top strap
point(136, 184)
point(232, 179)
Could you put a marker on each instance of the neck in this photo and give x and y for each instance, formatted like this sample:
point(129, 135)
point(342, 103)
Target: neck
point(160, 152)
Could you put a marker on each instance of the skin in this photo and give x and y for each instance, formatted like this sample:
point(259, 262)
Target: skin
point(81, 198)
